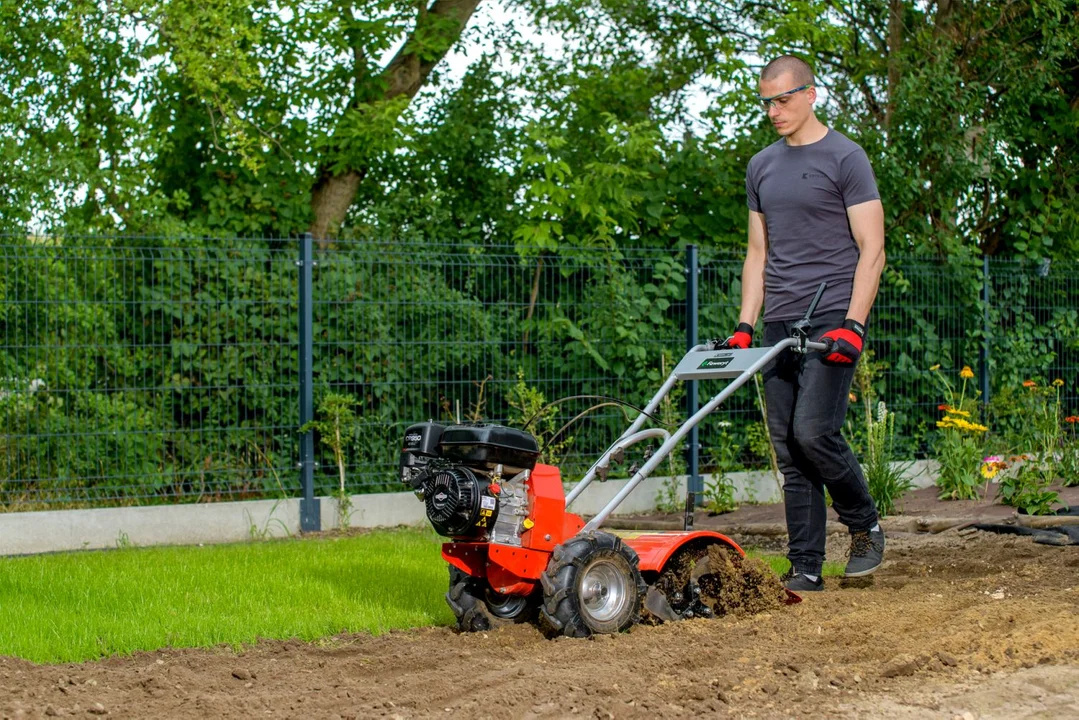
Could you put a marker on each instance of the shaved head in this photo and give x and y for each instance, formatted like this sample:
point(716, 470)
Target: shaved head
point(799, 70)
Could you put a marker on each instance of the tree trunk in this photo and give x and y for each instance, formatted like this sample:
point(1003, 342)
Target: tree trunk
point(330, 199)
point(533, 296)
point(333, 194)
point(895, 44)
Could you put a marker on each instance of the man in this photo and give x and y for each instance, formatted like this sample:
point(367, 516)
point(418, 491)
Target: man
point(814, 216)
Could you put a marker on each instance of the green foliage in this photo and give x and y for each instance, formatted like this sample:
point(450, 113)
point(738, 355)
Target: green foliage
point(1028, 488)
point(170, 370)
point(529, 406)
point(1069, 454)
point(959, 456)
point(600, 165)
point(758, 441)
point(669, 498)
point(224, 116)
point(719, 494)
point(719, 491)
point(199, 115)
point(336, 422)
point(885, 476)
point(1029, 416)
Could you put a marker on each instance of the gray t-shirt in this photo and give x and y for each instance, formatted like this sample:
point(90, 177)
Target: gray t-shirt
point(804, 191)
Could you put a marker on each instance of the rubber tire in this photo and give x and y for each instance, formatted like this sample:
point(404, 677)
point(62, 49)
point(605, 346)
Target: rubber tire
point(562, 611)
point(467, 598)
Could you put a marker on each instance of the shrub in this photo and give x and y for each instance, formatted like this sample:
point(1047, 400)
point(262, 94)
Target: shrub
point(887, 479)
point(1028, 488)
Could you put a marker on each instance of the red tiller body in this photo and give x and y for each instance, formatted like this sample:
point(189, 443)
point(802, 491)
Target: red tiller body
point(514, 570)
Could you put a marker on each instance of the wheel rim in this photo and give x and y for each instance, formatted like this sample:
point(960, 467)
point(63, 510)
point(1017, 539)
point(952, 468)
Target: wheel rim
point(604, 589)
point(506, 607)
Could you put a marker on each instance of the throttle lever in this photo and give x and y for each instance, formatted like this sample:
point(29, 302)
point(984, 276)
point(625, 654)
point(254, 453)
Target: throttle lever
point(801, 328)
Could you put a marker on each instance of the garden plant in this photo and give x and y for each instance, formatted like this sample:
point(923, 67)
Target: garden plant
point(959, 443)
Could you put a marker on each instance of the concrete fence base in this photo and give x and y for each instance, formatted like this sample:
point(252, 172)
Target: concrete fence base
point(60, 530)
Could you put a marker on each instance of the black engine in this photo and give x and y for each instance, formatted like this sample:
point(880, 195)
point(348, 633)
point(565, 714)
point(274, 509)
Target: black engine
point(455, 470)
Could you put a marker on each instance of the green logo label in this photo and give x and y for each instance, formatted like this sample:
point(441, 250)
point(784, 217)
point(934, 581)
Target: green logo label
point(716, 363)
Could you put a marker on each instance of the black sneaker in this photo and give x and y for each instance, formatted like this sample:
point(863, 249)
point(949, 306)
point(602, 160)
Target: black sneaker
point(797, 582)
point(866, 552)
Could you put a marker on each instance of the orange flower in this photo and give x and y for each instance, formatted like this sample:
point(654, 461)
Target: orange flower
point(1029, 384)
point(945, 408)
point(852, 397)
point(966, 373)
point(1072, 419)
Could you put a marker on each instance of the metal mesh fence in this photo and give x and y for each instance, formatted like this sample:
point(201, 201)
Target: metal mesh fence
point(436, 333)
point(133, 373)
point(156, 370)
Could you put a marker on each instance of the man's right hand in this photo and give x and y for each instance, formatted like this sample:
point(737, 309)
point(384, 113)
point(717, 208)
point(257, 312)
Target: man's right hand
point(743, 336)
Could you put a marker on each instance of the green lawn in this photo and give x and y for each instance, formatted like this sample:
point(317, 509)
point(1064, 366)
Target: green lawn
point(76, 606)
point(780, 564)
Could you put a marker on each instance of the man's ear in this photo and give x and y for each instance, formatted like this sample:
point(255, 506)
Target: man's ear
point(812, 92)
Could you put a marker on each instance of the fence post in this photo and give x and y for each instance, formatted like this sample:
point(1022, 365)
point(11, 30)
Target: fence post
point(310, 517)
point(983, 360)
point(694, 483)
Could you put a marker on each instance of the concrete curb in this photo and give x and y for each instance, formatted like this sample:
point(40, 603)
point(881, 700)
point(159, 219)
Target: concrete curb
point(223, 522)
point(191, 524)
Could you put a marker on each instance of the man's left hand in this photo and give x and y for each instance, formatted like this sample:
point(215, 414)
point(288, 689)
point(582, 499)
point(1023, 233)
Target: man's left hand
point(846, 343)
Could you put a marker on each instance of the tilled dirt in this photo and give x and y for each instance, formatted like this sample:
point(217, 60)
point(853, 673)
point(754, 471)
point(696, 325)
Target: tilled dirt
point(737, 585)
point(978, 626)
point(915, 504)
point(713, 582)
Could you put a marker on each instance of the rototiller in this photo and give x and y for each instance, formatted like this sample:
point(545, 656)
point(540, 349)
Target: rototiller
point(517, 554)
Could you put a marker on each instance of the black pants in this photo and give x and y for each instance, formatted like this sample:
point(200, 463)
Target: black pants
point(807, 405)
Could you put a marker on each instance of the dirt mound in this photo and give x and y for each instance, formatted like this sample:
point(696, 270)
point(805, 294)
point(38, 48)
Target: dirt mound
point(978, 626)
point(711, 581)
point(738, 585)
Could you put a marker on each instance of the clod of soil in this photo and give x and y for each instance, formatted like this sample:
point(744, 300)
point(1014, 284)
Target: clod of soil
point(738, 585)
point(712, 581)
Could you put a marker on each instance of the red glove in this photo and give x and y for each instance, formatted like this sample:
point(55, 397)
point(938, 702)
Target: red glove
point(845, 343)
point(743, 336)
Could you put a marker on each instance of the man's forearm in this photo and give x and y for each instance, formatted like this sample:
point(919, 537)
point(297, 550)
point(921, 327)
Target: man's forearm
point(866, 282)
point(752, 287)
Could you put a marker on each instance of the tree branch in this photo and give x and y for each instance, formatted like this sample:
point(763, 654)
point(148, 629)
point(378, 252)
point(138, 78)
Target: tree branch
point(441, 23)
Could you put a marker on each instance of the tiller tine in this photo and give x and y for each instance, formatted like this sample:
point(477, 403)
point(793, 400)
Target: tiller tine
point(656, 603)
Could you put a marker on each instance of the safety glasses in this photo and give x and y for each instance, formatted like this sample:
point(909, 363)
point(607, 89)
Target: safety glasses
point(783, 98)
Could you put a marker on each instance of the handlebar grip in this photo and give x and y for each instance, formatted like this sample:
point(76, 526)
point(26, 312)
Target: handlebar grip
point(825, 347)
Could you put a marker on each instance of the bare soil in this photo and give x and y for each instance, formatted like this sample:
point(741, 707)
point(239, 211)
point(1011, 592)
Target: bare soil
point(967, 626)
point(920, 503)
